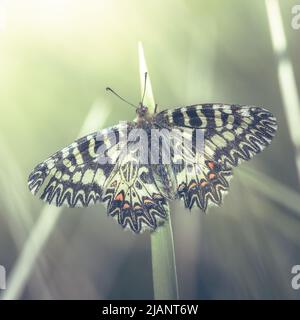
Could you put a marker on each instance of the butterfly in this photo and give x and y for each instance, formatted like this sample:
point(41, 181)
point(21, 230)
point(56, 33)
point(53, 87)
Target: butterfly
point(136, 193)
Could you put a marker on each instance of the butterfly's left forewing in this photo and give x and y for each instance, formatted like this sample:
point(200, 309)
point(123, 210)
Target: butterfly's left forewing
point(73, 176)
point(76, 176)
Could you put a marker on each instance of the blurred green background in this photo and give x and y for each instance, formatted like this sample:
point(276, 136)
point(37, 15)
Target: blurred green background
point(57, 57)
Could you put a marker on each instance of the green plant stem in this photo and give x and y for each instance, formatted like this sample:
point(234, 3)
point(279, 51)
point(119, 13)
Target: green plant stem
point(162, 243)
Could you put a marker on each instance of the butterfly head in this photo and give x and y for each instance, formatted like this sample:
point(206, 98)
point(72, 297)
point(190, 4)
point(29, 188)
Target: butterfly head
point(142, 110)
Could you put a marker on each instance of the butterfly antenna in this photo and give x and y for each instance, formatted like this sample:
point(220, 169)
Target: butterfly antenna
point(112, 91)
point(145, 84)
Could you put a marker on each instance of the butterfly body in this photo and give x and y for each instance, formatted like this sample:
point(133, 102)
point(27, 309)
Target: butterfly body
point(136, 189)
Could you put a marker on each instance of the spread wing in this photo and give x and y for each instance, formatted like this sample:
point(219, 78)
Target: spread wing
point(73, 176)
point(231, 134)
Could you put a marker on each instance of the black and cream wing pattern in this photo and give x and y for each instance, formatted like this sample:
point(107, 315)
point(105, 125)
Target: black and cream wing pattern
point(135, 192)
point(231, 134)
point(76, 177)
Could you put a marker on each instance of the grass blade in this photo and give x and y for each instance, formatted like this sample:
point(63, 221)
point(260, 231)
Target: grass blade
point(286, 76)
point(279, 193)
point(162, 244)
point(46, 222)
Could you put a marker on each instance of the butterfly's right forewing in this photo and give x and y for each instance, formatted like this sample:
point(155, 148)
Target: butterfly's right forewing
point(231, 134)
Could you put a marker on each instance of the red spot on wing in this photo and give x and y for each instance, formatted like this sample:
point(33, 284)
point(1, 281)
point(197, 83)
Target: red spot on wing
point(211, 165)
point(126, 206)
point(119, 197)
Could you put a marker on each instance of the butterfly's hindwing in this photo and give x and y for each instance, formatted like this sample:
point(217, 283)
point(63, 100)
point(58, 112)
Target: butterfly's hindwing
point(203, 185)
point(136, 206)
point(133, 195)
point(200, 181)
